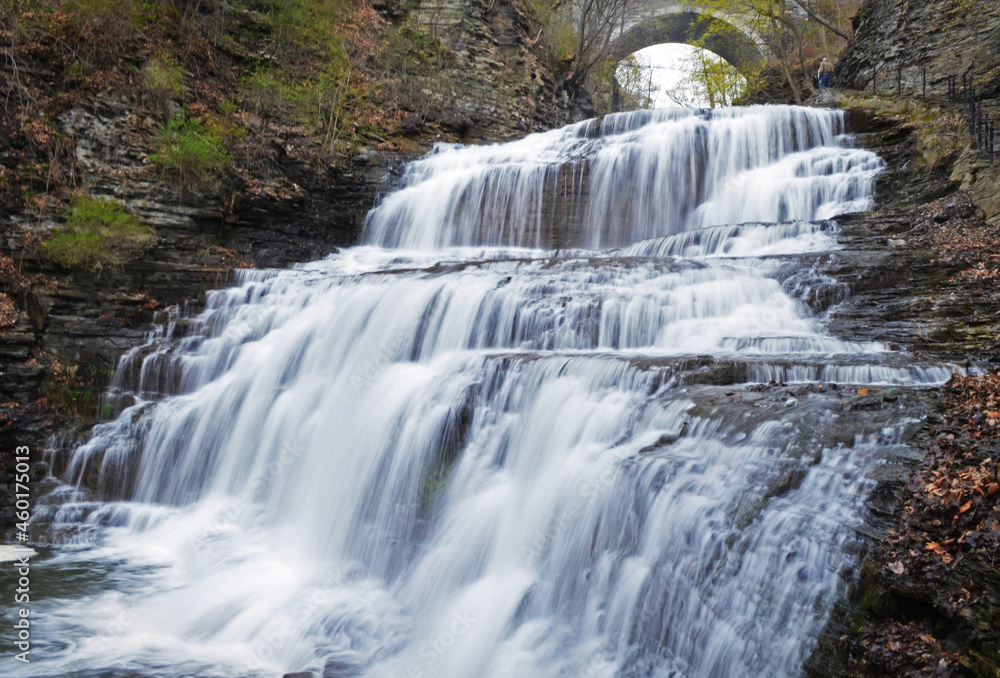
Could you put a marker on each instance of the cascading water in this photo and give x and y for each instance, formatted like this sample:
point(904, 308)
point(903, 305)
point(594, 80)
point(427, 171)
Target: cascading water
point(445, 455)
point(647, 174)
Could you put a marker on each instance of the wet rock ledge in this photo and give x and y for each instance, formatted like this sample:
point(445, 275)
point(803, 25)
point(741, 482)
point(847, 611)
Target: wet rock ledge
point(923, 270)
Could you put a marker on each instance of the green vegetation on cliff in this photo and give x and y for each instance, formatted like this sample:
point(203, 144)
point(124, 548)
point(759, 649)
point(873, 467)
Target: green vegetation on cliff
point(216, 98)
point(190, 151)
point(98, 233)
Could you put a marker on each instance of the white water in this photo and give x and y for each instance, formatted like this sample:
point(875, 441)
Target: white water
point(647, 174)
point(456, 460)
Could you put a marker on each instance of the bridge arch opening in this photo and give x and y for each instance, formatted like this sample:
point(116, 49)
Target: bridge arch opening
point(685, 59)
point(676, 74)
point(714, 34)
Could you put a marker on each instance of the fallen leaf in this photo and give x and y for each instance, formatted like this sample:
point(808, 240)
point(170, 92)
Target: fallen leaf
point(965, 507)
point(896, 567)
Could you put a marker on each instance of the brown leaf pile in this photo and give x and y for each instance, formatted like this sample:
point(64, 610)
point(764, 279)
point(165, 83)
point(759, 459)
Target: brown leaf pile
point(11, 280)
point(895, 649)
point(940, 567)
point(8, 312)
point(949, 228)
point(954, 507)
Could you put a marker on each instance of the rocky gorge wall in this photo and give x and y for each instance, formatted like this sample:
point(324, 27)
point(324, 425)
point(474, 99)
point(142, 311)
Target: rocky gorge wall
point(904, 36)
point(924, 601)
point(497, 86)
point(902, 40)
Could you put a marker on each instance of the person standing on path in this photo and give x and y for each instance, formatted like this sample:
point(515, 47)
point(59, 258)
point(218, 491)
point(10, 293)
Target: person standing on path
point(825, 73)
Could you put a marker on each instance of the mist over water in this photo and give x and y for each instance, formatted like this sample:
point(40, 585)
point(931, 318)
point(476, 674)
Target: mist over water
point(514, 434)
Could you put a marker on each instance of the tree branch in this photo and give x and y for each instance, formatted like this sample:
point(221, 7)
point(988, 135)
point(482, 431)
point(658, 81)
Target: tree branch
point(820, 20)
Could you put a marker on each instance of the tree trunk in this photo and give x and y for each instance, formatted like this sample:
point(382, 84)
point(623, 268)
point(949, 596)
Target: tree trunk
point(783, 58)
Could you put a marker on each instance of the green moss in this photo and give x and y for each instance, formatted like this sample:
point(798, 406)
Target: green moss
point(98, 233)
point(190, 151)
point(77, 73)
point(312, 81)
point(140, 14)
point(322, 101)
point(431, 489)
point(871, 602)
point(72, 401)
point(268, 92)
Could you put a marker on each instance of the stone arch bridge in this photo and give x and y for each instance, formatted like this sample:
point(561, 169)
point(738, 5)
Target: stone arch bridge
point(652, 22)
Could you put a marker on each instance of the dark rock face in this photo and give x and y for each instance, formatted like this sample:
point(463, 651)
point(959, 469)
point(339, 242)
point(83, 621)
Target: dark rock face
point(90, 318)
point(496, 86)
point(909, 34)
point(312, 210)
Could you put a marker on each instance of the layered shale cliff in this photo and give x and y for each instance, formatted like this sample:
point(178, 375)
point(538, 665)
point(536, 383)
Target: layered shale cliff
point(894, 38)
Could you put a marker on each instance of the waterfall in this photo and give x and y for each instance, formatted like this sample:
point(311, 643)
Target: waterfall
point(458, 451)
point(646, 174)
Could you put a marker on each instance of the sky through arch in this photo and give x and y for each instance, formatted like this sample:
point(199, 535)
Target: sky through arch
point(667, 70)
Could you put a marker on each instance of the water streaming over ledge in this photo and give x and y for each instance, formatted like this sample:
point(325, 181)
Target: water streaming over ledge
point(630, 177)
point(456, 453)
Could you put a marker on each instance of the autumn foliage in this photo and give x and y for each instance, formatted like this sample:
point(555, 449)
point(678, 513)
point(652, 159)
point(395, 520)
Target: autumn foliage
point(936, 590)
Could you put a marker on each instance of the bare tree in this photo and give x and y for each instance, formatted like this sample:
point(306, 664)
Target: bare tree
point(597, 23)
point(776, 23)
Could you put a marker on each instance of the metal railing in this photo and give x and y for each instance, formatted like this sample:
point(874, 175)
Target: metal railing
point(980, 125)
point(899, 81)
